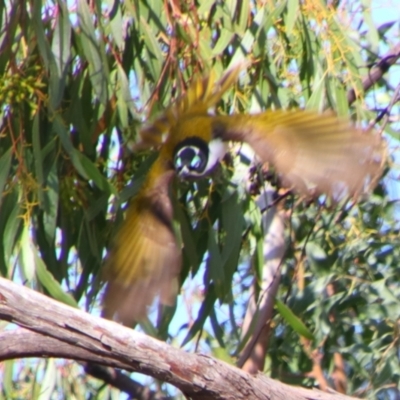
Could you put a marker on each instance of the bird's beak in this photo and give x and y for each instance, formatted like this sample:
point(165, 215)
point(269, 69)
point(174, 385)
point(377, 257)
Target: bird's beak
point(183, 171)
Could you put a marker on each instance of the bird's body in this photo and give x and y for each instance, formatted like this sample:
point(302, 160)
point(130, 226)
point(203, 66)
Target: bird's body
point(313, 153)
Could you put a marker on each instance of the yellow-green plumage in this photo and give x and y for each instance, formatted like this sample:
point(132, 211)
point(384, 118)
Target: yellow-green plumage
point(313, 153)
point(144, 259)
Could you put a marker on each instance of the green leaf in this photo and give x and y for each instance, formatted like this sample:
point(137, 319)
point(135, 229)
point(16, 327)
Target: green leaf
point(384, 292)
point(154, 56)
point(371, 31)
point(116, 23)
point(99, 205)
point(315, 251)
point(51, 196)
point(94, 174)
point(61, 50)
point(215, 265)
point(218, 331)
point(124, 94)
point(10, 20)
point(60, 129)
point(5, 164)
point(248, 39)
point(350, 54)
point(243, 17)
point(26, 256)
point(40, 35)
point(92, 50)
point(292, 15)
point(187, 234)
point(37, 156)
point(225, 38)
point(233, 223)
point(342, 105)
point(203, 314)
point(295, 322)
point(7, 380)
point(49, 381)
point(205, 6)
point(316, 100)
point(50, 284)
point(11, 230)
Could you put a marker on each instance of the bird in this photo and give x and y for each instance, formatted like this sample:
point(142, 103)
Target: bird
point(312, 153)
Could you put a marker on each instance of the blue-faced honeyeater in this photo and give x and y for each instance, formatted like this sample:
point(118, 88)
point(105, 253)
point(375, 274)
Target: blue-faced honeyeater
point(312, 153)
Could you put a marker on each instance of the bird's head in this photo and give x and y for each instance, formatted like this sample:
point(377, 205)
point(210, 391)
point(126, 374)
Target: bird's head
point(200, 150)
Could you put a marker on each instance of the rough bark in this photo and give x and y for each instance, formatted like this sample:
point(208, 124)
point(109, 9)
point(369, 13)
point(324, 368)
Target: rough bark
point(58, 330)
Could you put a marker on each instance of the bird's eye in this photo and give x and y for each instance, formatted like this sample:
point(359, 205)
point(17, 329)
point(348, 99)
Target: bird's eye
point(191, 157)
point(190, 160)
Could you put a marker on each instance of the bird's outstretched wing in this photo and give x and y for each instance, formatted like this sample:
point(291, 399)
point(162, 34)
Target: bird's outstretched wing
point(202, 95)
point(144, 260)
point(313, 153)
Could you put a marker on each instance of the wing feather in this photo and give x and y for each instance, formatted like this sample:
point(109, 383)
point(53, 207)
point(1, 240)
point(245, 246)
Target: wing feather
point(201, 95)
point(313, 153)
point(144, 261)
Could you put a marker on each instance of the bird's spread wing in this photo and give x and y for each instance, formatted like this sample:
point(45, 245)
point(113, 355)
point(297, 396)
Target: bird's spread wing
point(201, 95)
point(313, 153)
point(144, 261)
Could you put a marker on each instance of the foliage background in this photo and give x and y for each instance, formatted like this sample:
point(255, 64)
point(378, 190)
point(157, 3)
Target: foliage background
point(78, 79)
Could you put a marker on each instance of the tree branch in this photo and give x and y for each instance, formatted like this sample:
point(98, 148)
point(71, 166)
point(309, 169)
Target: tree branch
point(252, 357)
point(70, 333)
point(22, 343)
point(376, 72)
